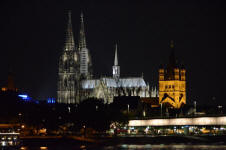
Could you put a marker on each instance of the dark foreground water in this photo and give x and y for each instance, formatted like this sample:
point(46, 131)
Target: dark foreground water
point(131, 147)
point(128, 143)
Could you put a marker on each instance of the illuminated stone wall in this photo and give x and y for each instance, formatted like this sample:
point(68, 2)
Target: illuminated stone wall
point(172, 83)
point(172, 92)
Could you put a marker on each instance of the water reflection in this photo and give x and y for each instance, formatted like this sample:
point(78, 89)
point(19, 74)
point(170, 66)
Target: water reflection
point(166, 147)
point(131, 147)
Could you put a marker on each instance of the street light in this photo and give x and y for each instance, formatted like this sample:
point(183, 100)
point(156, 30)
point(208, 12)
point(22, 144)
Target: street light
point(194, 107)
point(69, 109)
point(128, 107)
point(144, 113)
point(220, 109)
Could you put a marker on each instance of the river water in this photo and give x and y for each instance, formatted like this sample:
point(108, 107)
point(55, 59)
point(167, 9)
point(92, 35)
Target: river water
point(129, 147)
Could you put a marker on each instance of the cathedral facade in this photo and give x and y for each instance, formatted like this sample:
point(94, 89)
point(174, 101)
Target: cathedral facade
point(75, 80)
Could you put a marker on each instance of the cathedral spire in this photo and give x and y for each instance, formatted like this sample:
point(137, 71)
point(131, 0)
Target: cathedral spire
point(82, 38)
point(69, 43)
point(116, 56)
point(116, 67)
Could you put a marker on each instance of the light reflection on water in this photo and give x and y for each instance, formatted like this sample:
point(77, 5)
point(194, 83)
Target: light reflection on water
point(166, 147)
point(136, 147)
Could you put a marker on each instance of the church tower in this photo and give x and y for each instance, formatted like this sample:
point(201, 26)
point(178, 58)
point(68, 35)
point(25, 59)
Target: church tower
point(68, 68)
point(172, 83)
point(116, 67)
point(84, 55)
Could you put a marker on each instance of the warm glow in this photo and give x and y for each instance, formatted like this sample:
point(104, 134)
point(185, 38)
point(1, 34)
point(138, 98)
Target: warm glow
point(205, 121)
point(4, 89)
point(43, 130)
point(23, 148)
point(175, 89)
point(180, 121)
point(172, 90)
point(3, 133)
point(221, 120)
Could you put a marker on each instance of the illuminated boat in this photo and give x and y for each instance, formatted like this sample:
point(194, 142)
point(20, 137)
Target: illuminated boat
point(9, 139)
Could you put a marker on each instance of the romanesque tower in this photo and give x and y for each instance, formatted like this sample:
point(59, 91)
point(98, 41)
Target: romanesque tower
point(172, 83)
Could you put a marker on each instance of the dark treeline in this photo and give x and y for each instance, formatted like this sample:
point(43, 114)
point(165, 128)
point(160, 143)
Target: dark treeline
point(90, 113)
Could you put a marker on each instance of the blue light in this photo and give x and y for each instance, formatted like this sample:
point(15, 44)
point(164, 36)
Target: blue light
point(51, 101)
point(23, 96)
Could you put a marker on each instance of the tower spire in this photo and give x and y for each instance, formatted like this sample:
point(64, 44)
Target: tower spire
point(116, 56)
point(116, 67)
point(82, 38)
point(69, 43)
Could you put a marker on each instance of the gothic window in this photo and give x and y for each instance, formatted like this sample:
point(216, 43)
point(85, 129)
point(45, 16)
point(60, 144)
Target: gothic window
point(65, 83)
point(71, 63)
point(66, 65)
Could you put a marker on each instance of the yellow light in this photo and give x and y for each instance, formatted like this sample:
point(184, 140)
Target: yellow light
point(43, 148)
point(23, 148)
point(82, 146)
point(174, 89)
point(4, 89)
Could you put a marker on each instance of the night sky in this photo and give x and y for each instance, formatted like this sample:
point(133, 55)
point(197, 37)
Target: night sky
point(32, 37)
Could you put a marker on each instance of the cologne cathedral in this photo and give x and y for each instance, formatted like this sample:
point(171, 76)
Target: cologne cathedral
point(75, 80)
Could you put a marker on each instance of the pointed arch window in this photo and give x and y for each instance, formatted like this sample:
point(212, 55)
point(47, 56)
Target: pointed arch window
point(65, 83)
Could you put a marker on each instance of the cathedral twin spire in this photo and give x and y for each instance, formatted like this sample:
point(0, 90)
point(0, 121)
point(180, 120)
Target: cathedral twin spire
point(82, 38)
point(85, 62)
point(69, 43)
point(84, 57)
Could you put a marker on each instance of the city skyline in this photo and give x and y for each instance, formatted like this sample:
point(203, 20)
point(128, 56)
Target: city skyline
point(33, 36)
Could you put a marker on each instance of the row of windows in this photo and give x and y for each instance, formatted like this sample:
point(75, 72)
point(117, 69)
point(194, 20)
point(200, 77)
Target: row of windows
point(169, 86)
